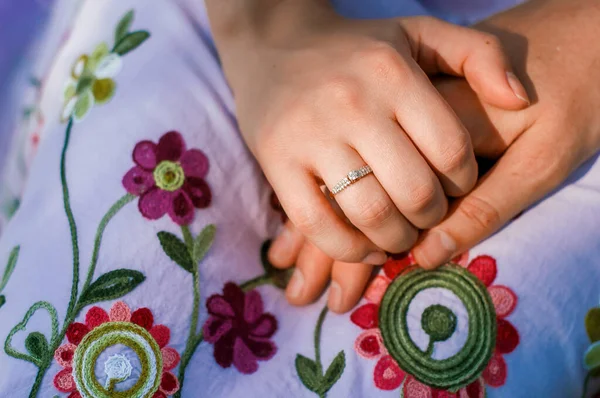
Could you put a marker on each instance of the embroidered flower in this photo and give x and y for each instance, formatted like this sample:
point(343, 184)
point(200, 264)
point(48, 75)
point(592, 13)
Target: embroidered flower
point(239, 329)
point(131, 349)
point(168, 179)
point(439, 323)
point(91, 82)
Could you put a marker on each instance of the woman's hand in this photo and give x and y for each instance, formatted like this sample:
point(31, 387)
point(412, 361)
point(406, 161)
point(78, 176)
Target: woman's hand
point(538, 147)
point(319, 95)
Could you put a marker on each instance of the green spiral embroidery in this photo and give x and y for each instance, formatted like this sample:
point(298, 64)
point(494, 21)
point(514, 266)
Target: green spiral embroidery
point(439, 323)
point(109, 334)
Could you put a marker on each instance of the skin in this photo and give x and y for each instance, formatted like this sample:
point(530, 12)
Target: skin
point(318, 95)
point(536, 148)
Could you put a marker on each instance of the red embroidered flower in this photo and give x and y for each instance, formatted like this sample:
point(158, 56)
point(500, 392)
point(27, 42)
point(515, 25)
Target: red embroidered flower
point(168, 179)
point(389, 376)
point(89, 344)
point(239, 329)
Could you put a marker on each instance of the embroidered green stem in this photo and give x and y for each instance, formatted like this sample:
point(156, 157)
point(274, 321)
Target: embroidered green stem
point(585, 385)
point(318, 339)
point(70, 218)
point(264, 279)
point(10, 267)
point(114, 209)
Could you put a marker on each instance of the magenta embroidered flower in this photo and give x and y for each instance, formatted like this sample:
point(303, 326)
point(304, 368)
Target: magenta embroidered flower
point(168, 179)
point(239, 329)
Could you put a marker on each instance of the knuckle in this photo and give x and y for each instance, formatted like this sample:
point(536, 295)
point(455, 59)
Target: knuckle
point(383, 61)
point(342, 90)
point(375, 213)
point(492, 41)
point(350, 252)
point(310, 221)
point(455, 156)
point(422, 197)
point(479, 212)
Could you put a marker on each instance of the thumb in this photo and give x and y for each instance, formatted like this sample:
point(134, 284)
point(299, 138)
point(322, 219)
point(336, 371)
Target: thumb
point(441, 47)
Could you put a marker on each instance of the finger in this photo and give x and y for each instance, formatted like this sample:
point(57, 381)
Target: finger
point(440, 137)
point(348, 281)
point(478, 56)
point(367, 205)
point(285, 248)
point(309, 211)
point(313, 269)
point(404, 175)
point(528, 170)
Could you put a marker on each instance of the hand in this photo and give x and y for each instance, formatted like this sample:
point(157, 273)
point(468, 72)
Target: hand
point(545, 142)
point(319, 95)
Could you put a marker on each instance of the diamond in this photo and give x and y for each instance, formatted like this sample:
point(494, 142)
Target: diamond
point(353, 175)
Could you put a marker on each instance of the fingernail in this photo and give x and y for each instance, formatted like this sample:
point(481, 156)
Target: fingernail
point(517, 87)
point(294, 288)
point(335, 296)
point(437, 248)
point(281, 246)
point(375, 258)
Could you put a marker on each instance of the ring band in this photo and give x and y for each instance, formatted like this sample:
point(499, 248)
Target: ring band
point(350, 179)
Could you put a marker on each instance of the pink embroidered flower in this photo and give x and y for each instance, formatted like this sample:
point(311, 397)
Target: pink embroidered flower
point(91, 348)
point(168, 179)
point(239, 329)
point(389, 376)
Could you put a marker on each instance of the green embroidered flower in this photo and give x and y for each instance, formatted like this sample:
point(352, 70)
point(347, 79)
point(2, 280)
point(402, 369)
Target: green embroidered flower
point(92, 75)
point(91, 82)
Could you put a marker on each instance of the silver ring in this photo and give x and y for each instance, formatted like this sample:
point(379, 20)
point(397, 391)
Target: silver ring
point(350, 179)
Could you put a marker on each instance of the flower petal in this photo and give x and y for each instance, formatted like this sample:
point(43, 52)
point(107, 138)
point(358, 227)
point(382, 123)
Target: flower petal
point(484, 268)
point(79, 66)
point(388, 375)
point(64, 355)
point(397, 264)
point(495, 372)
point(366, 316)
point(369, 344)
point(223, 351)
point(505, 300)
point(74, 394)
point(169, 384)
point(97, 55)
point(138, 181)
point(64, 381)
point(214, 328)
point(95, 317)
point(243, 359)
point(155, 203)
point(144, 155)
point(414, 389)
point(170, 358)
point(219, 306)
point(120, 312)
point(70, 90)
point(473, 390)
point(263, 349)
point(143, 317)
point(377, 289)
point(103, 90)
point(76, 332)
point(508, 337)
point(159, 394)
point(198, 191)
point(109, 66)
point(264, 327)
point(194, 163)
point(181, 209)
point(234, 296)
point(253, 306)
point(85, 102)
point(170, 147)
point(161, 334)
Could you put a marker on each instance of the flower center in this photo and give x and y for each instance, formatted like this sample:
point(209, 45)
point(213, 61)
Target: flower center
point(438, 322)
point(169, 176)
point(117, 368)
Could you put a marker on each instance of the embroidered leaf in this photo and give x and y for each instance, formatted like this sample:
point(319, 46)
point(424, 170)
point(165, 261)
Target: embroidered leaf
point(308, 372)
point(591, 358)
point(592, 324)
point(10, 266)
point(203, 242)
point(110, 286)
point(264, 257)
point(123, 26)
point(130, 42)
point(280, 277)
point(2, 300)
point(176, 250)
point(37, 345)
point(333, 373)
